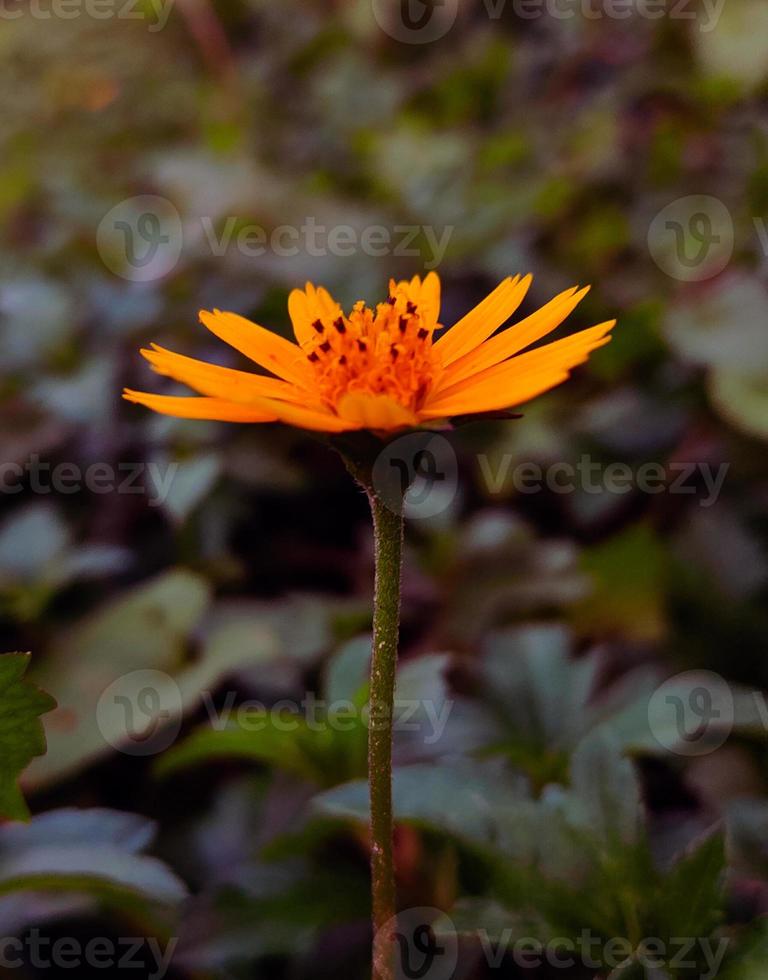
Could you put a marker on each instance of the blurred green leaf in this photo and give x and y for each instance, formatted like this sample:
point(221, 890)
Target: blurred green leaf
point(741, 399)
point(21, 732)
point(146, 629)
point(91, 851)
point(628, 573)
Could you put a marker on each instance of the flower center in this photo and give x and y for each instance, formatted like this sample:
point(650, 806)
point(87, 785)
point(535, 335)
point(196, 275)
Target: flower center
point(383, 352)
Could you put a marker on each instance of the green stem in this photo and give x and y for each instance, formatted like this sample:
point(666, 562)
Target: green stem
point(388, 538)
point(360, 456)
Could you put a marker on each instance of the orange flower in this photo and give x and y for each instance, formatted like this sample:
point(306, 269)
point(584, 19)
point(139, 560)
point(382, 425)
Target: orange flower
point(380, 369)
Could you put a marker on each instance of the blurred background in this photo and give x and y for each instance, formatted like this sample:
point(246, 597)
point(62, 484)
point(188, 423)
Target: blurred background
point(584, 620)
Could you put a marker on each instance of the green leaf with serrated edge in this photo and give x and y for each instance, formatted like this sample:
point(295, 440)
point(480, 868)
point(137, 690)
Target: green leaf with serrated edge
point(691, 895)
point(21, 732)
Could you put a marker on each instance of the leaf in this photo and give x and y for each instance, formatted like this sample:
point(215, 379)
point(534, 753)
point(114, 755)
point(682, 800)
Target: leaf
point(190, 481)
point(21, 732)
point(722, 327)
point(741, 399)
point(284, 749)
point(92, 851)
point(691, 895)
point(470, 800)
point(628, 573)
point(540, 694)
point(606, 787)
point(347, 671)
point(747, 831)
point(750, 960)
point(660, 718)
point(143, 630)
point(38, 557)
point(735, 43)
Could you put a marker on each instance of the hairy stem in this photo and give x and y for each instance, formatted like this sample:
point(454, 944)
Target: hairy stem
point(388, 537)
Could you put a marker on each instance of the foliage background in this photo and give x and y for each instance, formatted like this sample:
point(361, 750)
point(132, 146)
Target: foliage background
point(549, 619)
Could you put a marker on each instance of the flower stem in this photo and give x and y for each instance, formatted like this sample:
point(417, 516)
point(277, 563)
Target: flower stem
point(360, 456)
point(388, 539)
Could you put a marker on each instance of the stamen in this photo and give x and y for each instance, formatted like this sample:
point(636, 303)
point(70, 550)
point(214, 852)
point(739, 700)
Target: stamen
point(388, 352)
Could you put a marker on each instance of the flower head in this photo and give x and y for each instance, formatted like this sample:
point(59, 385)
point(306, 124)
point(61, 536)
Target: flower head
point(384, 368)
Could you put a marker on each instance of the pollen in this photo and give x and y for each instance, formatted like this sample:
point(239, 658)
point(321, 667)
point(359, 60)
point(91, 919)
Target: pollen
point(383, 351)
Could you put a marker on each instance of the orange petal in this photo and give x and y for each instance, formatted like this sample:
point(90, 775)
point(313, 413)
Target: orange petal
point(220, 382)
point(519, 378)
point(366, 411)
point(425, 294)
point(515, 338)
point(308, 418)
point(271, 351)
point(215, 409)
point(483, 320)
point(307, 305)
